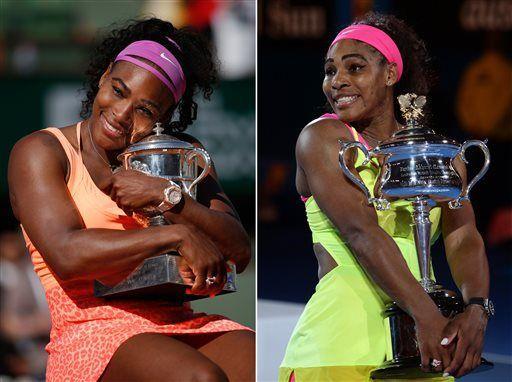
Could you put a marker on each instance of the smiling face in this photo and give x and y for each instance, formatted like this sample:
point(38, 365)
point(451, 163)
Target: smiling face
point(129, 102)
point(357, 82)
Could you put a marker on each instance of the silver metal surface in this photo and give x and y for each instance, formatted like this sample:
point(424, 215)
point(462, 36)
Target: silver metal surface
point(164, 156)
point(422, 228)
point(159, 276)
point(416, 165)
point(465, 193)
point(416, 162)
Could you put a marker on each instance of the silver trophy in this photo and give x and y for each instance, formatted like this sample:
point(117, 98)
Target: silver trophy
point(163, 156)
point(416, 165)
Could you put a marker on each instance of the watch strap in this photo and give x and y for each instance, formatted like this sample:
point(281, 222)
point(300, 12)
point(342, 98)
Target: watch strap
point(485, 303)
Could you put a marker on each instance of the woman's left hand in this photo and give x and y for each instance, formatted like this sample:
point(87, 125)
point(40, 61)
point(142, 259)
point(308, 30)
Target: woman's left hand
point(132, 190)
point(465, 334)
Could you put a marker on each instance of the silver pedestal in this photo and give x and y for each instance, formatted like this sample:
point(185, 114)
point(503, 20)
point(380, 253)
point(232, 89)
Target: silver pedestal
point(157, 277)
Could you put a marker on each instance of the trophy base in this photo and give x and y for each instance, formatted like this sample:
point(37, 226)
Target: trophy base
point(158, 277)
point(404, 361)
point(405, 368)
point(409, 368)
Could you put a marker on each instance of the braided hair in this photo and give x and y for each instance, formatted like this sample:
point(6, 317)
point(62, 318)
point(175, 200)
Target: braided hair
point(194, 54)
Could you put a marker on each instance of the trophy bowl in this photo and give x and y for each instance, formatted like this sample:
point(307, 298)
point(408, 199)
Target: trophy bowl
point(416, 165)
point(163, 156)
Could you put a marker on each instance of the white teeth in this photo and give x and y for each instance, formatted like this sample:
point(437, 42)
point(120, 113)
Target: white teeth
point(346, 99)
point(113, 129)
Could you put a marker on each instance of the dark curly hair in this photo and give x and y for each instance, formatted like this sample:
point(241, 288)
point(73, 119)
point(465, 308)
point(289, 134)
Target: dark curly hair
point(417, 76)
point(196, 58)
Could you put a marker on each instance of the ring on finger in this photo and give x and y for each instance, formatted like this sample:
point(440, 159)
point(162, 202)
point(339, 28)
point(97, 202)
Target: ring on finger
point(210, 280)
point(436, 363)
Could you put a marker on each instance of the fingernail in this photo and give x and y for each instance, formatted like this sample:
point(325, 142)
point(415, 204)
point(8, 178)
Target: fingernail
point(446, 374)
point(444, 341)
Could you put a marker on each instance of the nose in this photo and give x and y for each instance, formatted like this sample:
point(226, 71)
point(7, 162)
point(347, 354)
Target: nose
point(339, 80)
point(123, 114)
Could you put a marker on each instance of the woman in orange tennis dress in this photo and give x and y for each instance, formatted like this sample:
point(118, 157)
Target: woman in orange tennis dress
point(76, 218)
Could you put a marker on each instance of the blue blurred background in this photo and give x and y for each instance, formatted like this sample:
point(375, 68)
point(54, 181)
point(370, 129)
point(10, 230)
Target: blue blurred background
point(470, 41)
point(44, 51)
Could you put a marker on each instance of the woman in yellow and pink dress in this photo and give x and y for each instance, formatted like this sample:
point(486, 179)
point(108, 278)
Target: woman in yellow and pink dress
point(366, 257)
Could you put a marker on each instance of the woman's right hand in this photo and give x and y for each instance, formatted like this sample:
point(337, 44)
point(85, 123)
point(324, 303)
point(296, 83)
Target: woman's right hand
point(204, 259)
point(429, 332)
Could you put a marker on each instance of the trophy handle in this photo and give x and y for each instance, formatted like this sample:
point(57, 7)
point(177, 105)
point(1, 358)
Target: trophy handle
point(380, 204)
point(465, 194)
point(197, 152)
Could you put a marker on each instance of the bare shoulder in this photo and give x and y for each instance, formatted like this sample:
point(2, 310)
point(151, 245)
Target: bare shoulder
point(320, 134)
point(38, 150)
point(34, 159)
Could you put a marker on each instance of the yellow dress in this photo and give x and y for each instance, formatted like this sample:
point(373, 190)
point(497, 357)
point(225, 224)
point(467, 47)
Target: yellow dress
point(341, 335)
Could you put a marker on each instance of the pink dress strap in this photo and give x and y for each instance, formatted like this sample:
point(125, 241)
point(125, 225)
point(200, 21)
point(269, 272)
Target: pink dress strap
point(358, 137)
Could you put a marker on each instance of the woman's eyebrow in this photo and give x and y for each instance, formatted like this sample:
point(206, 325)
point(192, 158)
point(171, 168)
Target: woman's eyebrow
point(146, 101)
point(151, 103)
point(327, 60)
point(123, 85)
point(353, 55)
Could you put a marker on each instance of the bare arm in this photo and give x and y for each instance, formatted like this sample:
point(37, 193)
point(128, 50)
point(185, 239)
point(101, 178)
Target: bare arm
point(41, 201)
point(464, 246)
point(466, 256)
point(465, 252)
point(345, 205)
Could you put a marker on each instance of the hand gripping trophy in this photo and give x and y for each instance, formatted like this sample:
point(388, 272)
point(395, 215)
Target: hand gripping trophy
point(163, 156)
point(417, 165)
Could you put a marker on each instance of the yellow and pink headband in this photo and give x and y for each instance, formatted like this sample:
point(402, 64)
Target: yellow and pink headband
point(160, 56)
point(376, 38)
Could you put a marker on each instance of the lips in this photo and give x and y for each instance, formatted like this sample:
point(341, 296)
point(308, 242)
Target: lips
point(345, 100)
point(109, 129)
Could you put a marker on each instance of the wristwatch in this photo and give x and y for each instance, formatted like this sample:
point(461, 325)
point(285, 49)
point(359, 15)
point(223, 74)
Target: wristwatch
point(172, 196)
point(485, 303)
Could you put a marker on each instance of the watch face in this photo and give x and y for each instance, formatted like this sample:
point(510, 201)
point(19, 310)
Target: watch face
point(174, 196)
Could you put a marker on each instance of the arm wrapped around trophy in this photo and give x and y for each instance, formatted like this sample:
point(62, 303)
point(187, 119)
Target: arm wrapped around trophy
point(95, 200)
point(427, 170)
point(176, 162)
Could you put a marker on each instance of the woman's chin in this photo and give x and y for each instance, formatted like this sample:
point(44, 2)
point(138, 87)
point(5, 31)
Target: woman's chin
point(347, 115)
point(106, 141)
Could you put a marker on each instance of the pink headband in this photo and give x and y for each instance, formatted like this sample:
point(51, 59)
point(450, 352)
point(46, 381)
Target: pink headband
point(159, 55)
point(376, 38)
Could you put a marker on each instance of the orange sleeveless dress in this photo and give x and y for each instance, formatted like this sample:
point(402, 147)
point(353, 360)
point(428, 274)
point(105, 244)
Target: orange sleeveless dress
point(86, 331)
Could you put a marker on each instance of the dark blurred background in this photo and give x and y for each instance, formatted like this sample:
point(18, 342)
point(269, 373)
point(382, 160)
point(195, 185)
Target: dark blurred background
point(470, 42)
point(44, 51)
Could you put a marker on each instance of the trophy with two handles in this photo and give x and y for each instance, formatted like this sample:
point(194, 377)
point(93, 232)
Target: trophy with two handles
point(416, 165)
point(163, 156)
